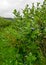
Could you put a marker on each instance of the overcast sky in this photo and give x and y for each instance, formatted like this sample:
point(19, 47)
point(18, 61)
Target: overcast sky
point(7, 6)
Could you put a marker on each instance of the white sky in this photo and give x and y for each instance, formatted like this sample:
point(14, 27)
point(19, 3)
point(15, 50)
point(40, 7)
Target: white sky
point(7, 6)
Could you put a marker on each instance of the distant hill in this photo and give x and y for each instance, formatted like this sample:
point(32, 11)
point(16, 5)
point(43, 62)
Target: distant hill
point(9, 18)
point(6, 18)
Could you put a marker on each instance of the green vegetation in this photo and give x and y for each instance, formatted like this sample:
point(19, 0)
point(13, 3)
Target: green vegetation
point(23, 39)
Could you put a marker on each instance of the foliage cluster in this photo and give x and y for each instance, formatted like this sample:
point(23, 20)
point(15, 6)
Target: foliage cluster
point(23, 39)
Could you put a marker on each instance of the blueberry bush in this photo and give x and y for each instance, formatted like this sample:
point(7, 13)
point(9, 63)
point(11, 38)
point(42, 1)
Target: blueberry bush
point(23, 39)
